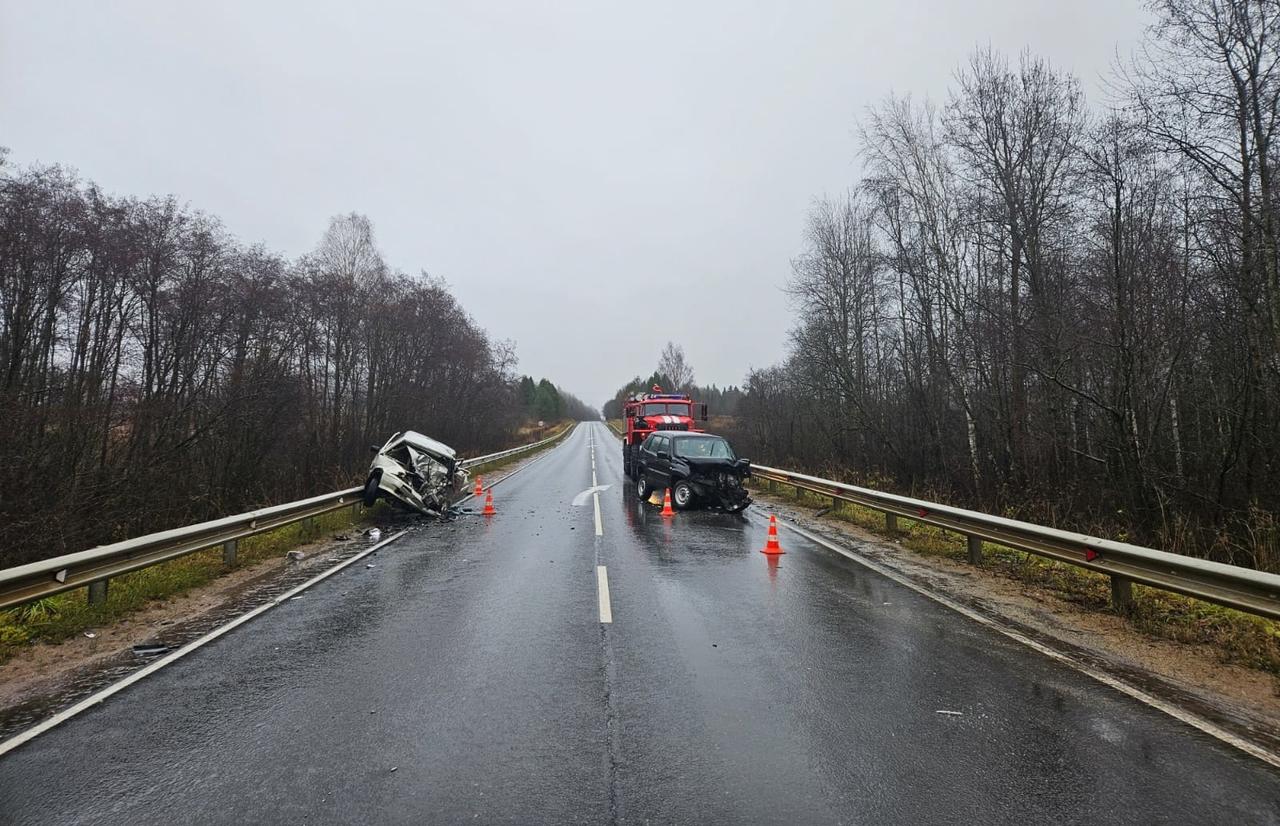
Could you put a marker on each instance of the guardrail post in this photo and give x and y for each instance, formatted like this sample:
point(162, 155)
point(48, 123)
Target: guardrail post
point(975, 550)
point(229, 552)
point(309, 525)
point(891, 522)
point(98, 592)
point(1121, 593)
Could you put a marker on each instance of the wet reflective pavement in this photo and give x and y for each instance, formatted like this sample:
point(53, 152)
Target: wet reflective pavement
point(467, 676)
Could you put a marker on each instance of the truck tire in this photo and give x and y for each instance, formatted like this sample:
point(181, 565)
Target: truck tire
point(626, 460)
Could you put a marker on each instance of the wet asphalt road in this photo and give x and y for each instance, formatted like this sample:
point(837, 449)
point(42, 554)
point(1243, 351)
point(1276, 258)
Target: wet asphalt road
point(472, 660)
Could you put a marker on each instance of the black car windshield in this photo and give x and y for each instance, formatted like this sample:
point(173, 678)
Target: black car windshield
point(659, 409)
point(704, 449)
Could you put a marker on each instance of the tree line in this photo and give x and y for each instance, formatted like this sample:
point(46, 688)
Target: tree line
point(154, 371)
point(544, 401)
point(1056, 311)
point(674, 374)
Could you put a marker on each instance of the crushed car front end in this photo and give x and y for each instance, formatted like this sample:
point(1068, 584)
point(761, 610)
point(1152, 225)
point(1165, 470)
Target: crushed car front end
point(716, 482)
point(415, 472)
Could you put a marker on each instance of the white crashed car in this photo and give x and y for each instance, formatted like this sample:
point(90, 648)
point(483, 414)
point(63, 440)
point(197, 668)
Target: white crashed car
point(416, 472)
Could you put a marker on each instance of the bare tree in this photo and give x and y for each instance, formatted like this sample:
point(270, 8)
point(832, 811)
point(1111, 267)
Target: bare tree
point(155, 372)
point(672, 365)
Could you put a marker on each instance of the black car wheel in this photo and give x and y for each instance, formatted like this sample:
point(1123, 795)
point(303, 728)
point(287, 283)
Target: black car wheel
point(682, 495)
point(642, 484)
point(371, 489)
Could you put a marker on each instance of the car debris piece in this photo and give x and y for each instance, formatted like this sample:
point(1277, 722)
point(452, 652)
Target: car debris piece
point(374, 534)
point(295, 556)
point(416, 473)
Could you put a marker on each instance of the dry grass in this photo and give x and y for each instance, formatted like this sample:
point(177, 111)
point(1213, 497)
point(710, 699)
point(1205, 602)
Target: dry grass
point(1237, 637)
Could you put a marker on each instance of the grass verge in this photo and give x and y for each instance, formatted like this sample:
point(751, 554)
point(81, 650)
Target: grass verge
point(1236, 637)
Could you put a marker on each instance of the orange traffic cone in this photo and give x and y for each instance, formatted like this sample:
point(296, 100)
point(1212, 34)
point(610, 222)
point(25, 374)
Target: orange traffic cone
point(488, 505)
point(771, 546)
point(666, 503)
point(479, 487)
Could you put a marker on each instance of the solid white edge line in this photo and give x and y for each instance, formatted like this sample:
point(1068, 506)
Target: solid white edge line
point(602, 583)
point(99, 696)
point(1194, 720)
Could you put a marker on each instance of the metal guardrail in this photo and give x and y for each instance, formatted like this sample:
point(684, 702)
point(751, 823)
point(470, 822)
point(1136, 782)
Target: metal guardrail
point(94, 567)
point(1246, 590)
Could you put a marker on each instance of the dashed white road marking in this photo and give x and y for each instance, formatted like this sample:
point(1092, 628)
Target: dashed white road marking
point(595, 484)
point(602, 580)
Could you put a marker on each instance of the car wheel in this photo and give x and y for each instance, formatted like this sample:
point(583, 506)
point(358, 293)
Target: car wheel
point(371, 489)
point(682, 495)
point(642, 484)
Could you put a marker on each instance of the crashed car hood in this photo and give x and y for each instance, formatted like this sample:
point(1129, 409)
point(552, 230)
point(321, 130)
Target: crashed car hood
point(702, 463)
point(422, 444)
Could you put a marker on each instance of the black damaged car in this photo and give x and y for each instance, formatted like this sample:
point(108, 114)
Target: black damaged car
point(697, 467)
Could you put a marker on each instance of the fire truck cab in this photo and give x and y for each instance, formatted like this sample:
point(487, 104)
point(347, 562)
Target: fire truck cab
point(644, 413)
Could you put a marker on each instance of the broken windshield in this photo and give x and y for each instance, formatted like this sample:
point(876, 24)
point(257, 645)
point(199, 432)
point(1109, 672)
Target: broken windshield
point(703, 449)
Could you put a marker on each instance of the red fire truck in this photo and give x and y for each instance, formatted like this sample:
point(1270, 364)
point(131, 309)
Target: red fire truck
point(644, 413)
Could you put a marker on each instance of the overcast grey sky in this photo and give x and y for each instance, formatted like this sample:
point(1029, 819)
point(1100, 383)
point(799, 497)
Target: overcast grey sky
point(553, 161)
